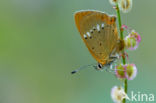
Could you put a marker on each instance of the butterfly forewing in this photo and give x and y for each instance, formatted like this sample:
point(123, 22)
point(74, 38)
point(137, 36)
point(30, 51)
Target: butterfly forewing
point(99, 32)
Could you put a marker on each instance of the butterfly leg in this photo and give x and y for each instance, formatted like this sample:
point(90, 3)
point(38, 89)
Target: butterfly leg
point(114, 56)
point(112, 59)
point(109, 65)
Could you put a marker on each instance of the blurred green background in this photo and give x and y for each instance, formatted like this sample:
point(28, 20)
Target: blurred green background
point(40, 46)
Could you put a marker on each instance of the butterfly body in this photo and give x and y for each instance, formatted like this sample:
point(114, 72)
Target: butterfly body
point(98, 30)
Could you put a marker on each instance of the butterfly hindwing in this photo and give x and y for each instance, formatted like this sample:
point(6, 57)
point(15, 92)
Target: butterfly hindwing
point(99, 32)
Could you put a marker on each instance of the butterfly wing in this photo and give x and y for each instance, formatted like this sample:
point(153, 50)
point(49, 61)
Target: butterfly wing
point(99, 33)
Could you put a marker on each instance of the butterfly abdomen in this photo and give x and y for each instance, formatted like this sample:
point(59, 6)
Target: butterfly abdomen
point(121, 45)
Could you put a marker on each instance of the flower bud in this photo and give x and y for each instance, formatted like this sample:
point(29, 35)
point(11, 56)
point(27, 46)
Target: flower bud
point(127, 71)
point(120, 71)
point(132, 40)
point(131, 71)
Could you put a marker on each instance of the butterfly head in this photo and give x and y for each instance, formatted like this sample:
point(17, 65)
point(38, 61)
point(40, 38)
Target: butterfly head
point(106, 66)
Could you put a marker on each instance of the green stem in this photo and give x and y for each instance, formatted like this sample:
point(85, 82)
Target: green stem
point(123, 57)
point(119, 21)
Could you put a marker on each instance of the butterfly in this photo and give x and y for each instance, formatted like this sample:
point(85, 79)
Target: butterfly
point(99, 32)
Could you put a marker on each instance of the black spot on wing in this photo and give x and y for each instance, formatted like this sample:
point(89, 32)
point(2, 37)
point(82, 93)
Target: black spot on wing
point(91, 31)
point(113, 30)
point(100, 43)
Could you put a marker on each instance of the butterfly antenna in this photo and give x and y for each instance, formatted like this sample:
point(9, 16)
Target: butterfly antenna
point(83, 67)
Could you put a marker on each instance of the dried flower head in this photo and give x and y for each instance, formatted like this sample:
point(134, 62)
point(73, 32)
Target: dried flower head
point(125, 5)
point(131, 71)
point(118, 94)
point(132, 40)
point(113, 2)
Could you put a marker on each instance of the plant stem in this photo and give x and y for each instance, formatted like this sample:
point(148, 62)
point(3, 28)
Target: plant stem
point(123, 57)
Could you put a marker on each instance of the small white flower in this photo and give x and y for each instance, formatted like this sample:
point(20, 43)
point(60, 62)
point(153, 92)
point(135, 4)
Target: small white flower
point(118, 94)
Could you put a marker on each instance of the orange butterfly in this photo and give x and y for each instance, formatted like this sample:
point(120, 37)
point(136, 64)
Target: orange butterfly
point(99, 32)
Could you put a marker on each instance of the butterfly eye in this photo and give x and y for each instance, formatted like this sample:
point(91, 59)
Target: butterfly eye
point(99, 66)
